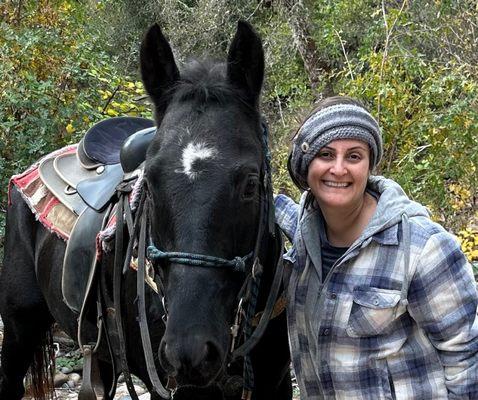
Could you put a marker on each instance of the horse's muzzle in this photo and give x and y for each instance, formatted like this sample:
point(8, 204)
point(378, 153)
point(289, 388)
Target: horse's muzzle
point(192, 359)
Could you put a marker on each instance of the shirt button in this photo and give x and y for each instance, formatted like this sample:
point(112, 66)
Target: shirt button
point(333, 296)
point(375, 301)
point(326, 331)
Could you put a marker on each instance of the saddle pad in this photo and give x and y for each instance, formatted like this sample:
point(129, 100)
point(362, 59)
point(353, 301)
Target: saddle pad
point(46, 207)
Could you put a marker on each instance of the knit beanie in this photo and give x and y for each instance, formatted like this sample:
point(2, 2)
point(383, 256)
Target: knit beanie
point(340, 121)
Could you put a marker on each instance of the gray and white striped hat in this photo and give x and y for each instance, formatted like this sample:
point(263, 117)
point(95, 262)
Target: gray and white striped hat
point(340, 121)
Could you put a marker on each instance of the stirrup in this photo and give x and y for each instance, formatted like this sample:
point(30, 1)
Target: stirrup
point(92, 385)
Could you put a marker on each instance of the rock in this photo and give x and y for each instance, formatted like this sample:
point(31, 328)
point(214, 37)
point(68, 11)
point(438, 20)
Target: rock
point(145, 396)
point(121, 391)
point(71, 384)
point(123, 394)
point(75, 377)
point(78, 367)
point(63, 339)
point(139, 390)
point(59, 379)
point(66, 370)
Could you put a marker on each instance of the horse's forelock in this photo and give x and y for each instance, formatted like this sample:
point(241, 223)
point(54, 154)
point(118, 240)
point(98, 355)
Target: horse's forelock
point(205, 81)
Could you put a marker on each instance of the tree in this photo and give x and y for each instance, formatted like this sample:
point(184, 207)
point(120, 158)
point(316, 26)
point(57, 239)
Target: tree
point(317, 68)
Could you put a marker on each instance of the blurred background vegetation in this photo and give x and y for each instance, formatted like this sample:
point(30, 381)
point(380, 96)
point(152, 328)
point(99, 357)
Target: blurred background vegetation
point(67, 64)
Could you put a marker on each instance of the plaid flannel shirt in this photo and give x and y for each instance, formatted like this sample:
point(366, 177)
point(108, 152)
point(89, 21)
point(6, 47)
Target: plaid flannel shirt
point(396, 318)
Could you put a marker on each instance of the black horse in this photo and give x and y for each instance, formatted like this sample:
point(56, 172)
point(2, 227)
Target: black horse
point(204, 173)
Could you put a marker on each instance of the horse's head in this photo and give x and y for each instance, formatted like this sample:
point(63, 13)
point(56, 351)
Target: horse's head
point(204, 170)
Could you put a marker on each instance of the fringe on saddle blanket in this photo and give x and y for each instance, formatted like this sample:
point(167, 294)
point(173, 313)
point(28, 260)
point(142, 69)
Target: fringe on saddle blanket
point(55, 216)
point(47, 209)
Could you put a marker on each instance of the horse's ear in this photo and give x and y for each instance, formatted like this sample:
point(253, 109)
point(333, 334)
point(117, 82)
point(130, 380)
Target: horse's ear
point(158, 68)
point(245, 61)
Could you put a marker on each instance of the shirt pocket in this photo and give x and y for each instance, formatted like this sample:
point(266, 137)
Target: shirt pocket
point(373, 311)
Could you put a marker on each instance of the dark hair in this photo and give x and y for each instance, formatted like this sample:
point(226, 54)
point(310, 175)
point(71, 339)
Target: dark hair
point(321, 105)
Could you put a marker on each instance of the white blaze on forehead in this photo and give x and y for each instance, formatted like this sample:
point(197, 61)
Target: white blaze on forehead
point(193, 152)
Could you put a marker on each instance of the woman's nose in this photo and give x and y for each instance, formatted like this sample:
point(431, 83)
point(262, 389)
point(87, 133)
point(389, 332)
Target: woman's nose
point(338, 168)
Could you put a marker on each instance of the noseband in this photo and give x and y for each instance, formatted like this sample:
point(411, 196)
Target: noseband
point(237, 264)
point(249, 264)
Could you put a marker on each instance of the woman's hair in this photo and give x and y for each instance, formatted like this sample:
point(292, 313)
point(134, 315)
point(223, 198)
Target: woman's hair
point(321, 105)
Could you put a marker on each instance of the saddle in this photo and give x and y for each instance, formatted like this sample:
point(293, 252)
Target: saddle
point(89, 176)
point(85, 181)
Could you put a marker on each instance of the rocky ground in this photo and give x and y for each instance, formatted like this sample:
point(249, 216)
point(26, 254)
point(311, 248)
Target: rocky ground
point(68, 376)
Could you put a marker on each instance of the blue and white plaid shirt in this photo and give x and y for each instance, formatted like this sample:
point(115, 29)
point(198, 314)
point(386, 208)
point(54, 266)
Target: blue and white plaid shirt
point(396, 317)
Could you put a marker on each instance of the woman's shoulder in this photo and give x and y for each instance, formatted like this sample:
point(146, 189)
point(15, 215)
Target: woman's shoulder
point(427, 234)
point(425, 226)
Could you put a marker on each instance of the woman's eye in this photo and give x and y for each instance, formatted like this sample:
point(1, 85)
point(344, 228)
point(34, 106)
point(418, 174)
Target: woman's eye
point(355, 156)
point(325, 154)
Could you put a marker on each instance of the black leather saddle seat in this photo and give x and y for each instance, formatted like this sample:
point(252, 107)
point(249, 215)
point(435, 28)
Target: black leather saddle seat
point(102, 144)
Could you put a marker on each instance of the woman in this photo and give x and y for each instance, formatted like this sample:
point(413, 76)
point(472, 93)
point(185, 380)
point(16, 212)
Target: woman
point(382, 302)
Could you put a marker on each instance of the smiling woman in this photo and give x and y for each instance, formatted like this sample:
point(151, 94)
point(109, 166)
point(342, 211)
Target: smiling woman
point(382, 302)
point(337, 178)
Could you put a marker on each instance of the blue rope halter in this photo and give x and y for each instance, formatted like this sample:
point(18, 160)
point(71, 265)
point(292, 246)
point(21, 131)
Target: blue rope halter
point(200, 260)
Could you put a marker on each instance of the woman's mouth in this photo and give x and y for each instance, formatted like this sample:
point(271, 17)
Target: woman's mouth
point(336, 184)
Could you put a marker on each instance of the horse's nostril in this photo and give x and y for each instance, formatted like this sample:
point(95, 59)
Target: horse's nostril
point(167, 360)
point(212, 353)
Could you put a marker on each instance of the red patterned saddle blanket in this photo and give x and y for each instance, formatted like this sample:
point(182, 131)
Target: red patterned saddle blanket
point(47, 208)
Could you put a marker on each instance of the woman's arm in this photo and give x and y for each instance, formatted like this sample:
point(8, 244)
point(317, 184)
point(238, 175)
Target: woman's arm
point(286, 212)
point(443, 300)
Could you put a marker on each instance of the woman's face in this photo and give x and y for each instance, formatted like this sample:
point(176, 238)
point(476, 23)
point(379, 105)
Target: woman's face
point(338, 174)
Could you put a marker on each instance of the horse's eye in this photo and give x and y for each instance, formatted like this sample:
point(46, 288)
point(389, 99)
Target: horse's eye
point(250, 187)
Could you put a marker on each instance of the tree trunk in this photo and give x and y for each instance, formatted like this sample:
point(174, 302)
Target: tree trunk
point(316, 68)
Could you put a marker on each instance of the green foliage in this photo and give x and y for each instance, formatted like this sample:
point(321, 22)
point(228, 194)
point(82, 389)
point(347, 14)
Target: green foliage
point(192, 27)
point(286, 85)
point(67, 64)
point(74, 362)
point(57, 80)
point(356, 23)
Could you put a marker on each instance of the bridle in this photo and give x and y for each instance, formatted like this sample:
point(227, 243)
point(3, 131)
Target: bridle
point(250, 264)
